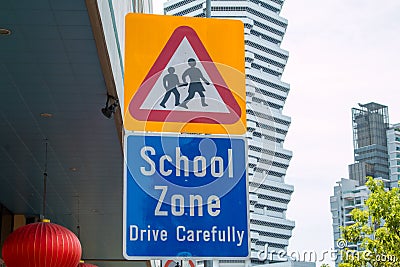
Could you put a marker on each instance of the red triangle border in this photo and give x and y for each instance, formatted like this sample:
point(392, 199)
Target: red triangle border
point(160, 64)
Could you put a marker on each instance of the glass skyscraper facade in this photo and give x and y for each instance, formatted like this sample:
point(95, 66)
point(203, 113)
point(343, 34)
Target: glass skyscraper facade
point(370, 122)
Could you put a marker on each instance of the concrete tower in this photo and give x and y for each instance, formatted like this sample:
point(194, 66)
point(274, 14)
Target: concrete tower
point(267, 127)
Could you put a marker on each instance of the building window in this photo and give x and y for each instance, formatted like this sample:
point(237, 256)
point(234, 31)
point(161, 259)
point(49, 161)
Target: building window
point(258, 2)
point(228, 8)
point(268, 60)
point(189, 10)
point(182, 3)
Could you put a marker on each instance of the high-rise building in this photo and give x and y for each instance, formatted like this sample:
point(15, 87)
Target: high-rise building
point(393, 145)
point(370, 123)
point(348, 195)
point(374, 144)
point(267, 127)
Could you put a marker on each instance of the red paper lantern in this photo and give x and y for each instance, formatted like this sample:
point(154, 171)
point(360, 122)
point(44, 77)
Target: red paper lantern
point(82, 264)
point(42, 244)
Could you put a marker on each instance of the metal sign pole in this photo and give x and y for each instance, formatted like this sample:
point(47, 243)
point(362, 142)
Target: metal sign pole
point(208, 8)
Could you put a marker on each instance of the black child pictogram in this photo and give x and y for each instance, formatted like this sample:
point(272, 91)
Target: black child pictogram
point(195, 85)
point(171, 83)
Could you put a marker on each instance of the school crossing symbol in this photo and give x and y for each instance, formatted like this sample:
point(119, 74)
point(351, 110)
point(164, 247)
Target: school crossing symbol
point(185, 86)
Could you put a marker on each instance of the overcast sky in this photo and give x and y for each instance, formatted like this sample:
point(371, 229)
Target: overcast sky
point(342, 52)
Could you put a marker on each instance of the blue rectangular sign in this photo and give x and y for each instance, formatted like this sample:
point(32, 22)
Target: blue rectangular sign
point(185, 196)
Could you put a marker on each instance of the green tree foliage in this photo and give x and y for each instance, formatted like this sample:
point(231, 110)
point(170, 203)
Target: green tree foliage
point(376, 229)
